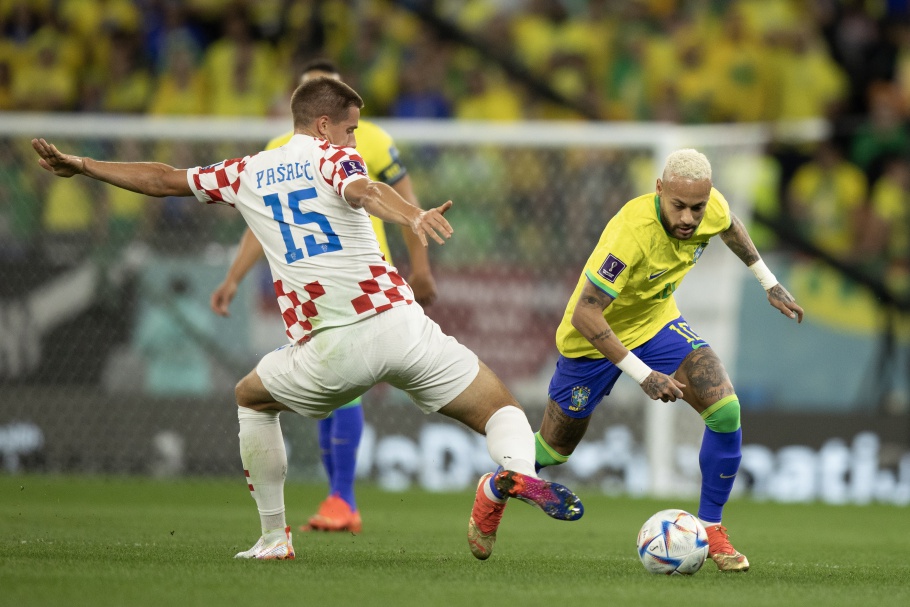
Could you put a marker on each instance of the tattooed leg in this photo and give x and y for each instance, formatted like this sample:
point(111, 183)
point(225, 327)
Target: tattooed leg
point(705, 378)
point(561, 432)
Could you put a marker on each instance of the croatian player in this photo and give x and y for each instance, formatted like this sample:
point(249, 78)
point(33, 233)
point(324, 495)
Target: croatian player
point(348, 315)
point(340, 432)
point(622, 318)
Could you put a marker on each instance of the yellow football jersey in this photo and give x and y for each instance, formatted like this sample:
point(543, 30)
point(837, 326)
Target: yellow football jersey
point(377, 148)
point(638, 264)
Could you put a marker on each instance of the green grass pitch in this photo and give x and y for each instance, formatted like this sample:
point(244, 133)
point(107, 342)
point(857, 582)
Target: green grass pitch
point(128, 541)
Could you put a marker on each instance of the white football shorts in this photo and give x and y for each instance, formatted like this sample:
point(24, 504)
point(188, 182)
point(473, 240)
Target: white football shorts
point(401, 346)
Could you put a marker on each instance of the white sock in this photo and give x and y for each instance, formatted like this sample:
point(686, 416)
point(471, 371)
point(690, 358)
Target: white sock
point(265, 464)
point(510, 440)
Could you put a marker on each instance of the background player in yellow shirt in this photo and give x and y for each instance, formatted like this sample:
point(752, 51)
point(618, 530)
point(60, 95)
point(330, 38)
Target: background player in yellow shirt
point(623, 318)
point(340, 433)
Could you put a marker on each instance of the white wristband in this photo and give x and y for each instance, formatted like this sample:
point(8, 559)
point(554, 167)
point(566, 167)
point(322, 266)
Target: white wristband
point(763, 274)
point(632, 366)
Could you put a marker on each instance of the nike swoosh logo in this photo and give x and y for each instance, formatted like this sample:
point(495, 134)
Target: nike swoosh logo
point(722, 475)
point(661, 273)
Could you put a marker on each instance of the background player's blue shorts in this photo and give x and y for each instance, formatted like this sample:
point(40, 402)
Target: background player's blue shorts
point(579, 384)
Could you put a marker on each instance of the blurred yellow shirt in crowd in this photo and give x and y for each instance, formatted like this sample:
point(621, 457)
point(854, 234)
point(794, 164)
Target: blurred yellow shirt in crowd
point(128, 96)
point(88, 19)
point(239, 80)
point(808, 83)
point(891, 202)
point(828, 199)
point(172, 98)
point(68, 207)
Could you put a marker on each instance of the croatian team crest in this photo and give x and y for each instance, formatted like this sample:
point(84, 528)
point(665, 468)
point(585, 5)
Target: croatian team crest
point(612, 268)
point(352, 167)
point(580, 395)
point(699, 250)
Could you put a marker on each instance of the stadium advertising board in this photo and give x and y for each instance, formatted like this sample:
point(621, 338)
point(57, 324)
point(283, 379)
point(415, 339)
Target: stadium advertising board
point(834, 459)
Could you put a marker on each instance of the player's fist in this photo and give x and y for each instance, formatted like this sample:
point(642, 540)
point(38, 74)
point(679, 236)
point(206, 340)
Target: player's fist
point(659, 386)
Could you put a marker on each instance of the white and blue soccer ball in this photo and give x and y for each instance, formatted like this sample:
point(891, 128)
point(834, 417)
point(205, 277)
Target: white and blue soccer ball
point(673, 542)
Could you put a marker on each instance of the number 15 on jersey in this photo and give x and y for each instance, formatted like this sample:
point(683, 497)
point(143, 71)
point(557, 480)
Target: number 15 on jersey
point(323, 227)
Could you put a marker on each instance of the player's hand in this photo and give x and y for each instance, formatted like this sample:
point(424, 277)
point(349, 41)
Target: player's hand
point(58, 163)
point(222, 297)
point(432, 223)
point(662, 387)
point(783, 301)
point(424, 286)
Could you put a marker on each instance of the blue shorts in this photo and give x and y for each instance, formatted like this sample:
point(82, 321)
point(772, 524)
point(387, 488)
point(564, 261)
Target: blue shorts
point(579, 384)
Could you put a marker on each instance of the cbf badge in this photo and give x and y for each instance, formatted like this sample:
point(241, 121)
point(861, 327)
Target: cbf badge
point(580, 395)
point(699, 250)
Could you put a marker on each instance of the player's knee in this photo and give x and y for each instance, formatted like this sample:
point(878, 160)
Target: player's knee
point(240, 394)
point(723, 416)
point(250, 393)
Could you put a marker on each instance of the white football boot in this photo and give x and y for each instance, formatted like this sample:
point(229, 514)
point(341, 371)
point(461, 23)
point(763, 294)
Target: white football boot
point(274, 545)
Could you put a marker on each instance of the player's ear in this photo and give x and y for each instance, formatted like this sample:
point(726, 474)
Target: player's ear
point(322, 126)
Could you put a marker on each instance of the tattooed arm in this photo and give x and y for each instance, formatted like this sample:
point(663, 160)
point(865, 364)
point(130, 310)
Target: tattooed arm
point(588, 319)
point(738, 240)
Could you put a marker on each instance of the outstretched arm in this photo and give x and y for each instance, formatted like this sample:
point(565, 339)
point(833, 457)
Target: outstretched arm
point(149, 178)
point(248, 253)
point(588, 319)
point(382, 201)
point(421, 277)
point(737, 239)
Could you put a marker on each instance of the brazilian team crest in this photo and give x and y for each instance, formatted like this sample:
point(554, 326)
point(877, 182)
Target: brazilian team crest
point(698, 251)
point(580, 395)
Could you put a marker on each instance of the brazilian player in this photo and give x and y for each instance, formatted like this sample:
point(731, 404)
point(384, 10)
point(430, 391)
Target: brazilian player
point(340, 433)
point(623, 318)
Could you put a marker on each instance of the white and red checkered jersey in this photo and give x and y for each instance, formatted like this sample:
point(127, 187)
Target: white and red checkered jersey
point(325, 260)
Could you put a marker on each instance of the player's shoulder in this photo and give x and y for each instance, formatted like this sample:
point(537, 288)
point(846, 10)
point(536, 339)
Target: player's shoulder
point(279, 141)
point(371, 132)
point(638, 211)
point(717, 198)
point(375, 144)
point(718, 204)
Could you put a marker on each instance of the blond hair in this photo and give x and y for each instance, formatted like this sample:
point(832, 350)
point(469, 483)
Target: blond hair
point(687, 164)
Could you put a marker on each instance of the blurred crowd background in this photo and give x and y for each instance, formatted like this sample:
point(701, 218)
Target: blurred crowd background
point(690, 61)
point(679, 61)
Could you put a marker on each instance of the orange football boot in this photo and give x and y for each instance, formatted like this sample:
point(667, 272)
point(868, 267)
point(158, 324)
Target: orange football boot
point(334, 514)
point(722, 552)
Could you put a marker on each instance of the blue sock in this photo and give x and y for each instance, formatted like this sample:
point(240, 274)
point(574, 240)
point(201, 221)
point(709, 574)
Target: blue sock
point(719, 460)
point(325, 444)
point(346, 434)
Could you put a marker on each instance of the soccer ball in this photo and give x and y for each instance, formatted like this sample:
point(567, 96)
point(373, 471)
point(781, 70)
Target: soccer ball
point(673, 542)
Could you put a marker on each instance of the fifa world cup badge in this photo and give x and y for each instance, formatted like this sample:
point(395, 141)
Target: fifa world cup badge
point(580, 396)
